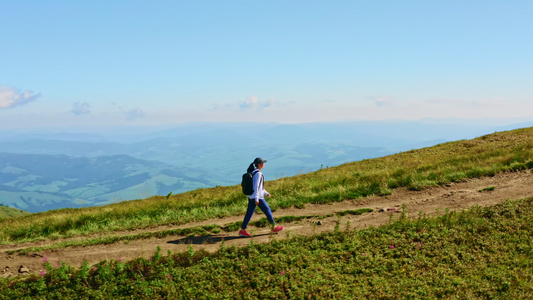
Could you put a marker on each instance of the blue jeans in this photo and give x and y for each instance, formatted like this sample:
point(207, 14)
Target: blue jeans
point(251, 209)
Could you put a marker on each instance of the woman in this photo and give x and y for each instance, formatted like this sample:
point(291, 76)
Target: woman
point(258, 198)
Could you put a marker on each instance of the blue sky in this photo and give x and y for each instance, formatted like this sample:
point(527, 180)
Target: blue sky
point(79, 63)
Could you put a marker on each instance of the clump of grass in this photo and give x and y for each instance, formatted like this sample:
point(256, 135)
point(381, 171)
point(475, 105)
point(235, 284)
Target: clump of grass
point(487, 189)
point(354, 212)
point(233, 226)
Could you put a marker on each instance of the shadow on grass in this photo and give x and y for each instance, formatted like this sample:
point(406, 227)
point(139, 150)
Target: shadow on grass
point(210, 239)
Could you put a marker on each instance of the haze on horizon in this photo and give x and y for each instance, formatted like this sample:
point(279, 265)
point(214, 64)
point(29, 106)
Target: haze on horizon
point(88, 63)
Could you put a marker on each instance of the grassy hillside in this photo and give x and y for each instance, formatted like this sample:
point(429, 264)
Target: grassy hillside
point(10, 212)
point(416, 169)
point(482, 253)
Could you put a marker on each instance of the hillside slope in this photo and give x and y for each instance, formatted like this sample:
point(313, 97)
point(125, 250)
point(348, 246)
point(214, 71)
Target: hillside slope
point(415, 170)
point(430, 202)
point(448, 177)
point(10, 212)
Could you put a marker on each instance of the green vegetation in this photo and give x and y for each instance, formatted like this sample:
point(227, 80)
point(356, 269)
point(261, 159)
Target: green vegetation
point(188, 232)
point(10, 212)
point(355, 212)
point(415, 170)
point(487, 189)
point(482, 253)
point(477, 253)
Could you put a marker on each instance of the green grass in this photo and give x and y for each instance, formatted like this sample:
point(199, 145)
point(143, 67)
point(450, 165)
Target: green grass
point(480, 253)
point(197, 231)
point(10, 212)
point(415, 170)
point(487, 189)
point(355, 212)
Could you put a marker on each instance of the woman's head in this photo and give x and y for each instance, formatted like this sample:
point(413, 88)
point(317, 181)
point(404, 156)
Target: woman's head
point(258, 163)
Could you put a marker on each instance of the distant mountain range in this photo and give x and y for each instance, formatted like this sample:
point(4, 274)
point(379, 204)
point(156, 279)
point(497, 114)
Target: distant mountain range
point(57, 168)
point(40, 182)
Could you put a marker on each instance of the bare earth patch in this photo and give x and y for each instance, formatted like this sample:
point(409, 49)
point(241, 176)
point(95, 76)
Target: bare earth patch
point(429, 202)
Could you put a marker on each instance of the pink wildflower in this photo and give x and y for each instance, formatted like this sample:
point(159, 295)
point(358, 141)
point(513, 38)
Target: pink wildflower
point(45, 259)
point(43, 272)
point(391, 247)
point(282, 273)
point(364, 254)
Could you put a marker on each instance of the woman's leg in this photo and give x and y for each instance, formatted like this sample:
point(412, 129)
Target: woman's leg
point(263, 205)
point(249, 213)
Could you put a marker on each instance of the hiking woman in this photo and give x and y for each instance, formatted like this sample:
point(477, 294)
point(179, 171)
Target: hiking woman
point(258, 198)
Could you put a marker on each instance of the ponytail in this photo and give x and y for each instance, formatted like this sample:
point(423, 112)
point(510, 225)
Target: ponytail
point(251, 168)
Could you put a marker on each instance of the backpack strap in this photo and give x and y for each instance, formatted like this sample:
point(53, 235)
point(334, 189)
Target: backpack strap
point(254, 171)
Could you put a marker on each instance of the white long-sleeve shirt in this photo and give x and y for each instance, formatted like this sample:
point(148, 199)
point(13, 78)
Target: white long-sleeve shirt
point(259, 186)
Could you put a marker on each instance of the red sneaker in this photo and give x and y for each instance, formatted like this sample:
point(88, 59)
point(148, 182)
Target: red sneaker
point(277, 229)
point(244, 233)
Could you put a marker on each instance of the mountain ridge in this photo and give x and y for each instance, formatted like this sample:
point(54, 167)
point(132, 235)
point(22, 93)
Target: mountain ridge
point(38, 182)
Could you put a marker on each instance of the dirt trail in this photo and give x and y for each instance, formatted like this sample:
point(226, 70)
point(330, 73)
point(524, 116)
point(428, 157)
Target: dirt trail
point(432, 201)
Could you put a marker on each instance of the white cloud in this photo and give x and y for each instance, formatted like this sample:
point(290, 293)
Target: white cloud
point(11, 97)
point(134, 113)
point(382, 101)
point(252, 102)
point(81, 108)
point(268, 103)
point(131, 114)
